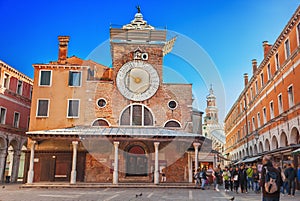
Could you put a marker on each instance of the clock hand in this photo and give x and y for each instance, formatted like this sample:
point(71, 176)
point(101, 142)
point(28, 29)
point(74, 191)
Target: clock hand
point(136, 79)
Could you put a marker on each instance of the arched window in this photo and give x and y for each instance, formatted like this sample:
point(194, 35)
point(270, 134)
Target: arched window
point(136, 115)
point(100, 122)
point(172, 124)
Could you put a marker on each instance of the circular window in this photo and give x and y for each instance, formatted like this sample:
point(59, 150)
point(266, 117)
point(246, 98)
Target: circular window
point(101, 102)
point(172, 104)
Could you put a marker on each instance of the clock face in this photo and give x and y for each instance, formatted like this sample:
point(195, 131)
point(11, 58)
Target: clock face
point(137, 80)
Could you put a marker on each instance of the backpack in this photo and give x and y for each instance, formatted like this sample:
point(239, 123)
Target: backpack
point(271, 181)
point(196, 176)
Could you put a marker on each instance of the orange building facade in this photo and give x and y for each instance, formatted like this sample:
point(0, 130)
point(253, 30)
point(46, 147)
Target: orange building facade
point(266, 116)
point(92, 123)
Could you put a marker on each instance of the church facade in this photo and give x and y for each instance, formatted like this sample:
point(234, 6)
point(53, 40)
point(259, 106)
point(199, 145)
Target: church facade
point(93, 123)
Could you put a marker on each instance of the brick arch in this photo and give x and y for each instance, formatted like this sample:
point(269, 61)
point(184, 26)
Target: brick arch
point(101, 122)
point(283, 142)
point(267, 145)
point(274, 142)
point(251, 151)
point(260, 147)
point(255, 150)
point(294, 137)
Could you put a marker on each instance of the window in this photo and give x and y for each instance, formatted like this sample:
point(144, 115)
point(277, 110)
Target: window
point(298, 32)
point(2, 115)
point(101, 102)
point(30, 93)
point(101, 122)
point(264, 115)
point(136, 115)
point(258, 120)
point(172, 104)
point(172, 124)
point(269, 72)
point(256, 87)
point(280, 105)
point(45, 78)
point(251, 93)
point(287, 48)
point(271, 110)
point(16, 119)
point(248, 129)
point(73, 108)
point(43, 107)
point(253, 123)
point(74, 78)
point(291, 96)
point(6, 81)
point(277, 61)
point(262, 79)
point(19, 87)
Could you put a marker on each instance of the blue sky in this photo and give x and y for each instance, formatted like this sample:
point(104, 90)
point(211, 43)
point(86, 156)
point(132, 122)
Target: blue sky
point(229, 32)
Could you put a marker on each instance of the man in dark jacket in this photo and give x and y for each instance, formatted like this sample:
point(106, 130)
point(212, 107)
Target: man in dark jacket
point(268, 166)
point(291, 175)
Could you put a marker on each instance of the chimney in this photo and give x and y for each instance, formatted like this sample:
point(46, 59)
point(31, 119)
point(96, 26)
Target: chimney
point(254, 65)
point(246, 79)
point(266, 47)
point(63, 48)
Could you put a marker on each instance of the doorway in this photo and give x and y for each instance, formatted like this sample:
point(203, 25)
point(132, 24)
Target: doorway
point(136, 162)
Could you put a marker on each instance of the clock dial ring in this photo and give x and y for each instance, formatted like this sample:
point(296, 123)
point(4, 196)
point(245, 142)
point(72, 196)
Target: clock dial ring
point(137, 80)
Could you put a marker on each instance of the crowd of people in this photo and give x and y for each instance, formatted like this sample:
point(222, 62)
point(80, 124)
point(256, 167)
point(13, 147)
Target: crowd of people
point(266, 178)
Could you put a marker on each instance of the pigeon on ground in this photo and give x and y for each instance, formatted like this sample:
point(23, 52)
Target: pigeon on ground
point(137, 195)
point(231, 199)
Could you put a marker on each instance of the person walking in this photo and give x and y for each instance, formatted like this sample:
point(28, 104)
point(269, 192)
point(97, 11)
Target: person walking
point(231, 180)
point(197, 178)
point(255, 180)
point(291, 175)
point(226, 177)
point(243, 179)
point(204, 178)
point(216, 177)
point(249, 173)
point(267, 171)
point(235, 179)
point(284, 187)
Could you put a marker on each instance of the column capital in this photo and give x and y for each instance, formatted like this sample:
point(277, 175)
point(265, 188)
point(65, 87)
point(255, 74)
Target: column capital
point(116, 143)
point(32, 142)
point(156, 144)
point(75, 142)
point(196, 144)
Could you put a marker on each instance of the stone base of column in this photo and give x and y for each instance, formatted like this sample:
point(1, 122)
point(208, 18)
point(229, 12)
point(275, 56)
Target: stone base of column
point(73, 177)
point(156, 177)
point(30, 177)
point(115, 178)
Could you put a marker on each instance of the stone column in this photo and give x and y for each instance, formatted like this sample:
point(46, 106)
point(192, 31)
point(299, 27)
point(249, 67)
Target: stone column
point(190, 168)
point(2, 164)
point(15, 168)
point(156, 170)
point(196, 146)
point(74, 162)
point(31, 163)
point(116, 164)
